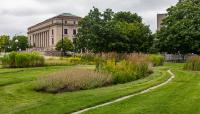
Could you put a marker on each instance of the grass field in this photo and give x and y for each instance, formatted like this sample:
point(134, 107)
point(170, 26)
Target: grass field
point(181, 96)
point(18, 96)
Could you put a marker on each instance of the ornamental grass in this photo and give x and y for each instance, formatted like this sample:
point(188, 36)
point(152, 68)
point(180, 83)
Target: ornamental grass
point(193, 63)
point(72, 80)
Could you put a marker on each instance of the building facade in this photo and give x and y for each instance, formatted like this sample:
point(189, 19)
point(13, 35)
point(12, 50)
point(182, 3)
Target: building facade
point(160, 18)
point(46, 34)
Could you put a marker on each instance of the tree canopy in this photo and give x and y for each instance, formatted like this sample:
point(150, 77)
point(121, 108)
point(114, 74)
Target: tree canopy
point(4, 43)
point(22, 43)
point(67, 45)
point(180, 32)
point(108, 31)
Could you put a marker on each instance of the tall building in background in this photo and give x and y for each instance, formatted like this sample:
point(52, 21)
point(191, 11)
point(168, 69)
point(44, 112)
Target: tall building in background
point(160, 18)
point(46, 34)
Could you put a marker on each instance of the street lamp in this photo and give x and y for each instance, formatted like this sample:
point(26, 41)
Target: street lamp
point(62, 40)
point(16, 41)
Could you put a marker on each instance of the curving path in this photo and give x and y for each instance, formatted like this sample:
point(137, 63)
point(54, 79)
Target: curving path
point(126, 97)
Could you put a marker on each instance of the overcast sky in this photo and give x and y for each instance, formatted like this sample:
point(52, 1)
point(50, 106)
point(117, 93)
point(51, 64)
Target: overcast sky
point(17, 15)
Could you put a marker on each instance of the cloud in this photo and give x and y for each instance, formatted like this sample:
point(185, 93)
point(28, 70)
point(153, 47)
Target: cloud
point(17, 15)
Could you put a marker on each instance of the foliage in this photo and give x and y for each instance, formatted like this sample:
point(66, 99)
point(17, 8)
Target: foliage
point(22, 60)
point(180, 31)
point(22, 43)
point(18, 87)
point(113, 32)
point(57, 62)
point(133, 67)
point(193, 63)
point(88, 58)
point(184, 89)
point(73, 79)
point(65, 61)
point(156, 59)
point(67, 45)
point(4, 43)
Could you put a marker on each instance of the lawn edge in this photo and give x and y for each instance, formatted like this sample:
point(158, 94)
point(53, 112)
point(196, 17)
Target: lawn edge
point(172, 76)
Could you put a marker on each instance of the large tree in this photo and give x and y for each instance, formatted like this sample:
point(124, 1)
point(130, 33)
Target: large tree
point(65, 45)
point(180, 32)
point(108, 31)
point(21, 44)
point(4, 43)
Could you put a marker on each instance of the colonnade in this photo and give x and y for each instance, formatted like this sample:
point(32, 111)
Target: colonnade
point(40, 39)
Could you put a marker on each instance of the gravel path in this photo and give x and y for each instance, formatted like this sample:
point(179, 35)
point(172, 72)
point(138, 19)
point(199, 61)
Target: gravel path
point(126, 97)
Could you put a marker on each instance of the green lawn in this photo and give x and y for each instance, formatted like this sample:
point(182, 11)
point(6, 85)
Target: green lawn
point(181, 96)
point(17, 94)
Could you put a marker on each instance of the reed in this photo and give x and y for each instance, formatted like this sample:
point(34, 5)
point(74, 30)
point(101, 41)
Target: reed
point(22, 60)
point(193, 63)
point(73, 80)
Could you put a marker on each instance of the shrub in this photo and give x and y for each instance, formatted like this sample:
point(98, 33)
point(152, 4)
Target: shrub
point(72, 80)
point(193, 63)
point(62, 61)
point(133, 67)
point(21, 60)
point(67, 45)
point(156, 60)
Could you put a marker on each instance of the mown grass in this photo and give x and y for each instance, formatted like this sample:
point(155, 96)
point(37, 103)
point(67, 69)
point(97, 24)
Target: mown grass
point(181, 96)
point(18, 96)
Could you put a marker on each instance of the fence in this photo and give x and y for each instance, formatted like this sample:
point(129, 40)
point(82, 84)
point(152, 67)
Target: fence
point(177, 57)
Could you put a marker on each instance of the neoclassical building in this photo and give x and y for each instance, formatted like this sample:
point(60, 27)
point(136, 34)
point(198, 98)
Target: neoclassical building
point(46, 34)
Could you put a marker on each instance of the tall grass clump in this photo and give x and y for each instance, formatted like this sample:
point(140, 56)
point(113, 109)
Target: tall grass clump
point(156, 60)
point(193, 63)
point(72, 80)
point(22, 60)
point(132, 67)
point(62, 61)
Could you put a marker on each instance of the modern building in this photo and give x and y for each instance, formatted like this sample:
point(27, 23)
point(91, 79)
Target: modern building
point(160, 18)
point(46, 34)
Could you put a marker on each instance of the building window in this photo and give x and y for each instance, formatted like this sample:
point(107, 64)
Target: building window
point(65, 31)
point(52, 40)
point(74, 32)
point(65, 22)
point(52, 32)
point(74, 22)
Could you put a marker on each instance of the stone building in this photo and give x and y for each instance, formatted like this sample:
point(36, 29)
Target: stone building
point(160, 18)
point(46, 34)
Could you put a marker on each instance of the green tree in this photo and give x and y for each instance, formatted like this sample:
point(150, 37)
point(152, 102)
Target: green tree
point(4, 43)
point(109, 31)
point(127, 17)
point(181, 31)
point(67, 45)
point(22, 43)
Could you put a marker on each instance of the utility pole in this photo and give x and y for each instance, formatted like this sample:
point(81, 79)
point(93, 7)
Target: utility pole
point(62, 50)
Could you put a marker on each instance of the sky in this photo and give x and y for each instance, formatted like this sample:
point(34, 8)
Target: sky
point(17, 15)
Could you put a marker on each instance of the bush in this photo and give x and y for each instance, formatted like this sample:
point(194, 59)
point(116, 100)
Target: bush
point(193, 63)
point(156, 60)
point(67, 45)
point(22, 60)
point(72, 80)
point(133, 67)
point(62, 61)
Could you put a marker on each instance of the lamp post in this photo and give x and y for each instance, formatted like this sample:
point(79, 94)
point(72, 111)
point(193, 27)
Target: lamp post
point(16, 41)
point(62, 54)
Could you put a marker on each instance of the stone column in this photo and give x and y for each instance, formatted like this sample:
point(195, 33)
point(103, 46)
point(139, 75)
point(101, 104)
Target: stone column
point(36, 39)
point(42, 40)
point(48, 37)
point(39, 39)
